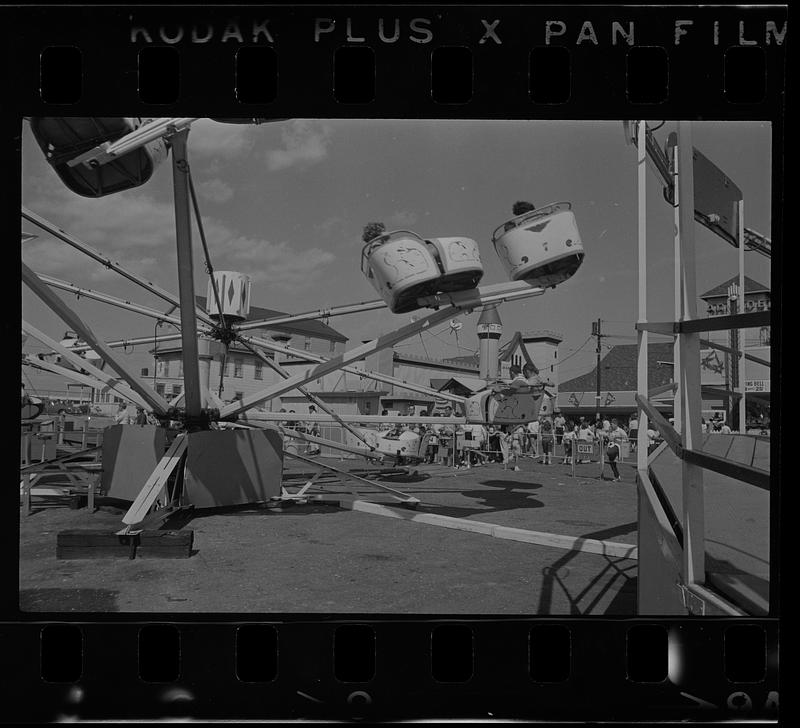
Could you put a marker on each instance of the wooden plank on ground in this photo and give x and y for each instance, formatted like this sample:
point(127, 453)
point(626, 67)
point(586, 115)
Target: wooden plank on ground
point(99, 544)
point(152, 488)
point(554, 540)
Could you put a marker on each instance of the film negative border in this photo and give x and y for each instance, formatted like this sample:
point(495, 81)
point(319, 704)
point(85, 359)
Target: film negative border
point(549, 669)
point(619, 62)
point(445, 61)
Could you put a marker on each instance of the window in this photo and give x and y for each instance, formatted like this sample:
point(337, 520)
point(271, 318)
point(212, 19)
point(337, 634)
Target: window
point(165, 367)
point(239, 396)
point(307, 344)
point(160, 389)
point(176, 390)
point(333, 347)
point(238, 365)
point(145, 371)
point(259, 369)
point(180, 367)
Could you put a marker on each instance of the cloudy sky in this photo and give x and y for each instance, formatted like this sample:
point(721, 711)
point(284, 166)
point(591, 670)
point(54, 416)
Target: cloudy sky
point(286, 202)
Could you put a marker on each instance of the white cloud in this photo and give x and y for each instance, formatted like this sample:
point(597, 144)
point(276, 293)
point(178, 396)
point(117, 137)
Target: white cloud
point(215, 190)
point(117, 222)
point(401, 218)
point(53, 257)
point(138, 231)
point(278, 264)
point(213, 139)
point(304, 142)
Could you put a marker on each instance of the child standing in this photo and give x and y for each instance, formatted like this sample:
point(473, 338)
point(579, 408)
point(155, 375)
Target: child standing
point(514, 445)
point(569, 439)
point(546, 436)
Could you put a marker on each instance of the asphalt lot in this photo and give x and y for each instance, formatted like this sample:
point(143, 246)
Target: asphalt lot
point(322, 559)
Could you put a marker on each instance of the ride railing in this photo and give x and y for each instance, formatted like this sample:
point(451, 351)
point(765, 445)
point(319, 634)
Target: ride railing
point(41, 440)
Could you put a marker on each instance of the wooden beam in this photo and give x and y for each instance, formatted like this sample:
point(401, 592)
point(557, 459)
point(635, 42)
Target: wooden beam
point(711, 323)
point(669, 387)
point(553, 540)
point(728, 350)
point(642, 338)
point(155, 483)
point(731, 468)
point(671, 437)
point(94, 544)
point(724, 323)
point(668, 328)
point(693, 517)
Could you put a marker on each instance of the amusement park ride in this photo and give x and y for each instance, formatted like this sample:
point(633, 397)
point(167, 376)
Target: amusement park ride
point(221, 461)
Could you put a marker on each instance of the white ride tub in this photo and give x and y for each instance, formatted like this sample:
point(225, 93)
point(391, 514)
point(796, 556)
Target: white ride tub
point(505, 407)
point(403, 267)
point(542, 247)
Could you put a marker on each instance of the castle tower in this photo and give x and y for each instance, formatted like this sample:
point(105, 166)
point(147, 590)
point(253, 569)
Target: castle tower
point(490, 329)
point(542, 346)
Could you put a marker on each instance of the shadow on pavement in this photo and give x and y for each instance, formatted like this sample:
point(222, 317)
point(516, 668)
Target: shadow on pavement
point(614, 571)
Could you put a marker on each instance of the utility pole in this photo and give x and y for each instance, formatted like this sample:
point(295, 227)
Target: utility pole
point(732, 370)
point(596, 331)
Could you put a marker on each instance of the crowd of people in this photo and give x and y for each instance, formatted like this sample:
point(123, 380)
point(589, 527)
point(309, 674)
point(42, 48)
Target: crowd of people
point(548, 440)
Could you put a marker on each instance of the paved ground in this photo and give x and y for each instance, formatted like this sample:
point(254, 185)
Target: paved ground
point(318, 558)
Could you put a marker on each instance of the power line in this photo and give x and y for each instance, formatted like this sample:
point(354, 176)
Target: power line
point(566, 358)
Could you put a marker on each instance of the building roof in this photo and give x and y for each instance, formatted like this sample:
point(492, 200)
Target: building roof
point(468, 360)
point(314, 329)
point(750, 286)
point(472, 384)
point(507, 350)
point(465, 364)
point(543, 335)
point(618, 370)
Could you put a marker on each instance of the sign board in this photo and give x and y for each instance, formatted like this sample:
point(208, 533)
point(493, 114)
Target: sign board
point(716, 196)
point(585, 448)
point(756, 385)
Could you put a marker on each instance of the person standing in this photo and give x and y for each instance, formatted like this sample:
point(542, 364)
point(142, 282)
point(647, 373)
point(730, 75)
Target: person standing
point(533, 438)
point(615, 436)
point(514, 449)
point(123, 416)
point(725, 429)
point(141, 416)
point(585, 435)
point(546, 434)
point(570, 438)
point(633, 430)
point(559, 423)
